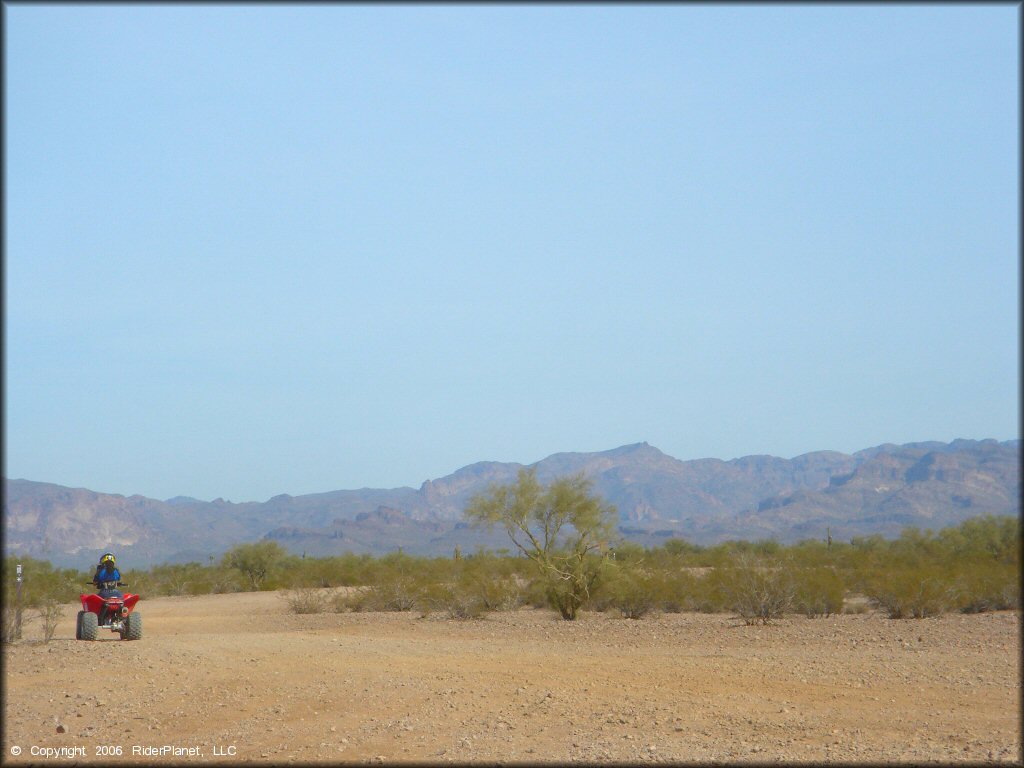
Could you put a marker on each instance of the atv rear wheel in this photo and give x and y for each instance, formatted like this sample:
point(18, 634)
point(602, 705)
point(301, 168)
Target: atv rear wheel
point(132, 627)
point(78, 625)
point(90, 625)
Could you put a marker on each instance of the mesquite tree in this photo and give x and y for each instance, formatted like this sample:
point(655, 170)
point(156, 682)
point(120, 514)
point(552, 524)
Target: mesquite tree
point(255, 560)
point(562, 528)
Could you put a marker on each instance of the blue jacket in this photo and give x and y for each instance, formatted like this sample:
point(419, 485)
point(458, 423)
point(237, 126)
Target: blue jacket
point(106, 573)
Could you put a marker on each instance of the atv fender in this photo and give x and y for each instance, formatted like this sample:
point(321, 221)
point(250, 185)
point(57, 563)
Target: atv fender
point(92, 603)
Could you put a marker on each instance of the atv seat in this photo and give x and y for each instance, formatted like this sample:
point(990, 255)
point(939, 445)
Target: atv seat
point(109, 589)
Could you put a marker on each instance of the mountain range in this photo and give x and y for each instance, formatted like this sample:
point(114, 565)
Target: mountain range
point(877, 490)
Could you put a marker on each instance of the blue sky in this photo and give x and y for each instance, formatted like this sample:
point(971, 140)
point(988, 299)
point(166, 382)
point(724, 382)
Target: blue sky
point(265, 249)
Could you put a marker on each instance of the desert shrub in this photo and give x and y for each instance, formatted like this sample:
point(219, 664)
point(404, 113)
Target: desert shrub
point(988, 586)
point(685, 591)
point(288, 572)
point(987, 537)
point(221, 580)
point(818, 591)
point(348, 570)
point(178, 580)
point(681, 591)
point(304, 600)
point(767, 548)
point(627, 553)
point(143, 583)
point(758, 589)
point(635, 591)
point(813, 553)
point(864, 552)
point(148, 584)
point(349, 599)
point(914, 547)
point(456, 600)
point(904, 592)
point(255, 561)
point(494, 582)
point(601, 600)
point(172, 579)
point(718, 556)
point(681, 549)
point(49, 614)
point(312, 572)
point(463, 588)
point(397, 594)
point(358, 600)
point(395, 586)
point(535, 593)
point(872, 543)
point(503, 593)
point(41, 582)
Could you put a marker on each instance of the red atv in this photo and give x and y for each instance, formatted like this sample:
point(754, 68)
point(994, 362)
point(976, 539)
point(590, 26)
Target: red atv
point(113, 612)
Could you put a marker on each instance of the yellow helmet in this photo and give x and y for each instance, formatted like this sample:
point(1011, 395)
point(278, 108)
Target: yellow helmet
point(107, 558)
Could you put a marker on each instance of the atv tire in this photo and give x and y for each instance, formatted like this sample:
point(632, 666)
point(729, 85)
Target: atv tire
point(78, 625)
point(133, 627)
point(90, 625)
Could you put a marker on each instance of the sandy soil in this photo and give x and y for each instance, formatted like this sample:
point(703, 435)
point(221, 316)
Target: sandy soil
point(238, 678)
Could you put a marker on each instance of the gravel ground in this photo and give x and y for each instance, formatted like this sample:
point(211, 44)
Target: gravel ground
point(239, 679)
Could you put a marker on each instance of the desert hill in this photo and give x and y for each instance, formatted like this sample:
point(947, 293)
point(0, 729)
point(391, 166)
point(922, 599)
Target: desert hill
point(877, 490)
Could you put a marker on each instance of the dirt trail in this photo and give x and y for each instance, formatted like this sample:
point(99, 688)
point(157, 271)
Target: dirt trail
point(238, 678)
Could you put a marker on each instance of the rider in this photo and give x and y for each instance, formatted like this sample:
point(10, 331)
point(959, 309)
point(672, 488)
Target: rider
point(107, 576)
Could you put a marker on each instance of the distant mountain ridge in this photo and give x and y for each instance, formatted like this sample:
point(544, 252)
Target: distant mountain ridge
point(877, 490)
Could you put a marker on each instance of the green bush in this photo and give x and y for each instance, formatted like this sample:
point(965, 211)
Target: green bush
point(757, 589)
point(972, 567)
point(175, 579)
point(397, 594)
point(41, 582)
point(818, 591)
point(49, 615)
point(456, 600)
point(985, 538)
point(494, 582)
point(812, 553)
point(627, 553)
point(681, 548)
point(348, 599)
point(256, 561)
point(392, 595)
point(305, 600)
point(638, 590)
point(683, 591)
point(397, 582)
point(346, 570)
point(535, 593)
point(635, 591)
point(917, 593)
point(988, 586)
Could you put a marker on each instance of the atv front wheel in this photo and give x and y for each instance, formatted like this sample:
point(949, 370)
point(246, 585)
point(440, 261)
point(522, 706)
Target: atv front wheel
point(90, 625)
point(132, 627)
point(78, 625)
